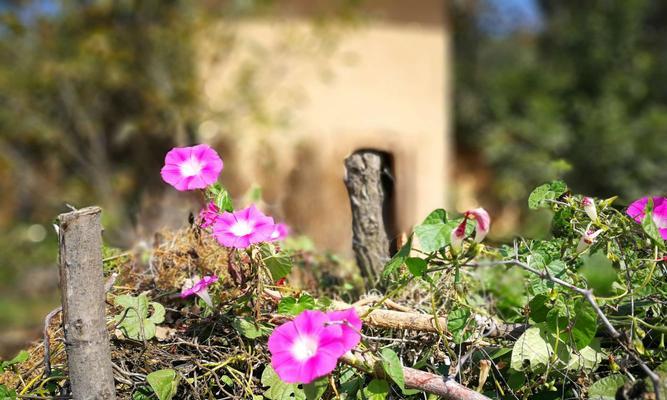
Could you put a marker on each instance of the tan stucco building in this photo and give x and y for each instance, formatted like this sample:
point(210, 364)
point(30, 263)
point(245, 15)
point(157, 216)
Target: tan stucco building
point(381, 81)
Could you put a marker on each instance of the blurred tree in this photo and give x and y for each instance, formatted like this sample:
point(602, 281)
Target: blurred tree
point(581, 96)
point(92, 94)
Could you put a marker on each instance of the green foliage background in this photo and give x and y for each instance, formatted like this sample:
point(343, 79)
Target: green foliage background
point(583, 97)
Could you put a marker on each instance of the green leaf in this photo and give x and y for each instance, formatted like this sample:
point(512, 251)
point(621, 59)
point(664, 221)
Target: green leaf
point(279, 390)
point(457, 321)
point(436, 216)
point(500, 352)
point(560, 225)
point(21, 357)
point(558, 269)
point(585, 324)
point(599, 273)
point(164, 383)
point(316, 389)
point(435, 236)
point(517, 380)
point(662, 368)
point(220, 197)
point(142, 393)
point(398, 259)
point(392, 367)
point(557, 321)
point(377, 389)
point(549, 191)
point(433, 233)
point(587, 358)
point(292, 306)
point(539, 307)
point(158, 313)
point(606, 388)
point(7, 394)
point(278, 264)
point(247, 328)
point(227, 380)
point(134, 320)
point(531, 351)
point(651, 229)
point(416, 266)
point(350, 383)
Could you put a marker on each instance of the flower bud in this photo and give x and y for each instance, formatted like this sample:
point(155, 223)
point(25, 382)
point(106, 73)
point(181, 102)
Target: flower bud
point(589, 208)
point(483, 221)
point(457, 236)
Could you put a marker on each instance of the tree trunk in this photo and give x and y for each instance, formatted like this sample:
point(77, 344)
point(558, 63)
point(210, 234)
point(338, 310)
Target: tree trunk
point(83, 302)
point(369, 184)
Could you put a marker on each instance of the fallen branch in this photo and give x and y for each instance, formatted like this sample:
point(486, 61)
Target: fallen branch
point(413, 321)
point(446, 388)
point(390, 319)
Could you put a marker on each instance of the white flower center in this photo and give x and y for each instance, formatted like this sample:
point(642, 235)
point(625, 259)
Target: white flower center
point(241, 228)
point(660, 221)
point(303, 348)
point(191, 167)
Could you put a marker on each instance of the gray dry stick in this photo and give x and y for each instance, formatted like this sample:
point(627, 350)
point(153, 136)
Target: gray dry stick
point(369, 185)
point(83, 302)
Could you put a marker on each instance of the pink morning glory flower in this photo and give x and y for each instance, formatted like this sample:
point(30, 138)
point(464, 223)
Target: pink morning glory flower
point(189, 168)
point(637, 210)
point(483, 221)
point(199, 287)
point(589, 208)
point(208, 215)
point(350, 324)
point(242, 228)
point(280, 232)
point(309, 346)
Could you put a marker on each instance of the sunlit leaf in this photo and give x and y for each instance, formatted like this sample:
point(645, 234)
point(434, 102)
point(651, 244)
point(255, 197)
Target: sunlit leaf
point(392, 367)
point(164, 383)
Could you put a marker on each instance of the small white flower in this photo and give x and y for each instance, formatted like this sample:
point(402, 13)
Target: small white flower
point(587, 239)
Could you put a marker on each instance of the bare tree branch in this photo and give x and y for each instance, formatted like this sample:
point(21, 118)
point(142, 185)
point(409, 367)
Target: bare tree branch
point(444, 387)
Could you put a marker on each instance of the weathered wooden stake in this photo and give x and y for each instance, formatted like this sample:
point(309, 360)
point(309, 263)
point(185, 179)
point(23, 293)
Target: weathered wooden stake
point(370, 187)
point(83, 302)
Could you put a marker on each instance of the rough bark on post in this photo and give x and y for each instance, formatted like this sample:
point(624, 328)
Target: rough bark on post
point(369, 185)
point(83, 302)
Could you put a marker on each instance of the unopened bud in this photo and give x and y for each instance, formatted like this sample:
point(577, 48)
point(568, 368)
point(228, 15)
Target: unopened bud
point(589, 208)
point(483, 221)
point(457, 236)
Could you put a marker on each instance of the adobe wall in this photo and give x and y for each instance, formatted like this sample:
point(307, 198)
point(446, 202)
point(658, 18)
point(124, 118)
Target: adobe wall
point(385, 86)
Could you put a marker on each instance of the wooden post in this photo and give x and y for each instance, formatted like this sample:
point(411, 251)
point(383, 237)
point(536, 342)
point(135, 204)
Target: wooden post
point(369, 183)
point(83, 302)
